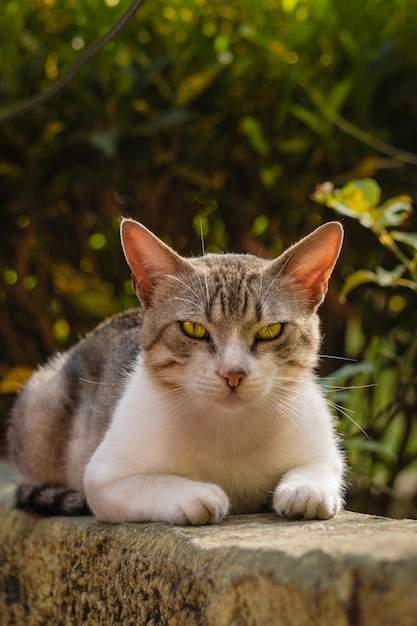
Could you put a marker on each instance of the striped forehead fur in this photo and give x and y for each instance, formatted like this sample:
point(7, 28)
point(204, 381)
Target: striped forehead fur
point(234, 286)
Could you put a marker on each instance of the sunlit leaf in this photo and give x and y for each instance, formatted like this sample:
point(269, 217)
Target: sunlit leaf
point(370, 189)
point(359, 199)
point(386, 278)
point(360, 277)
point(393, 212)
point(381, 277)
point(356, 199)
point(410, 239)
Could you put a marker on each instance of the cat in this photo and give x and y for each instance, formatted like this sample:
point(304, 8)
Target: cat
point(200, 403)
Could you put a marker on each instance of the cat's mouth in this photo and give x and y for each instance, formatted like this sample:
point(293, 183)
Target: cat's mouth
point(231, 399)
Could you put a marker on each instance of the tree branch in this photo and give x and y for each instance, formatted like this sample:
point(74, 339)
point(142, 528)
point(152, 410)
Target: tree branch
point(40, 99)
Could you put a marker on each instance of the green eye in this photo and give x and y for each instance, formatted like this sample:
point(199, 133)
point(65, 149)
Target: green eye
point(194, 330)
point(266, 333)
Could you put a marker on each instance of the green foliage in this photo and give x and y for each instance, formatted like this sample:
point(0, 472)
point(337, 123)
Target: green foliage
point(381, 390)
point(360, 199)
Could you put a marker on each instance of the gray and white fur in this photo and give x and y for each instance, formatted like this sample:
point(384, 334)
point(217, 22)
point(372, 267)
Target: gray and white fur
point(200, 403)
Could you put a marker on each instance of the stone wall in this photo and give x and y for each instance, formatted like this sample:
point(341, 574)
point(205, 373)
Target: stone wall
point(252, 570)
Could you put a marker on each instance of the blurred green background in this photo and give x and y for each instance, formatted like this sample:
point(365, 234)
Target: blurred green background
point(221, 116)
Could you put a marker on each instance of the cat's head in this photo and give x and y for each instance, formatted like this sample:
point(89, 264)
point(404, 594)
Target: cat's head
point(230, 328)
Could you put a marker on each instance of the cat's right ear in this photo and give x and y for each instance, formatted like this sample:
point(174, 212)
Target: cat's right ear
point(149, 259)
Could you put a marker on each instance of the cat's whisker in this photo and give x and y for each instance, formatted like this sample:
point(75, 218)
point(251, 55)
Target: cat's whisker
point(298, 268)
point(97, 411)
point(345, 413)
point(289, 414)
point(337, 358)
point(341, 410)
point(188, 301)
point(203, 249)
point(184, 284)
point(96, 382)
point(176, 396)
point(288, 408)
point(336, 388)
point(205, 290)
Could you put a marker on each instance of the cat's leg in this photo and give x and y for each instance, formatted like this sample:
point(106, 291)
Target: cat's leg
point(312, 491)
point(154, 497)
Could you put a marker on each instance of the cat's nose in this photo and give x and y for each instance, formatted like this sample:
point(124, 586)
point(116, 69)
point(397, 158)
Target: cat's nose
point(233, 377)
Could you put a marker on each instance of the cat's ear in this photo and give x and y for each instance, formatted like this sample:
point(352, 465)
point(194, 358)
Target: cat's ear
point(149, 259)
point(310, 262)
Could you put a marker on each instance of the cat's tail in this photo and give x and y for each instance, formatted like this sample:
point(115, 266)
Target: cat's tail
point(51, 500)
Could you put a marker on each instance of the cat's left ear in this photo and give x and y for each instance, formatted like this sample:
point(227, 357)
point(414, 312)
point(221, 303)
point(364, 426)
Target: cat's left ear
point(149, 259)
point(310, 262)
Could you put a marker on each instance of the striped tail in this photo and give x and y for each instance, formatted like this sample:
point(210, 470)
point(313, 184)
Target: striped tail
point(51, 500)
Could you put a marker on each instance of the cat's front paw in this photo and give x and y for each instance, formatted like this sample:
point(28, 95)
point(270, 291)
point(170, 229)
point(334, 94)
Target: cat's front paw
point(305, 501)
point(198, 504)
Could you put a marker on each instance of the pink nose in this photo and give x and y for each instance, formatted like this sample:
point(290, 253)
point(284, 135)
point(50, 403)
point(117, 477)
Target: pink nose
point(233, 378)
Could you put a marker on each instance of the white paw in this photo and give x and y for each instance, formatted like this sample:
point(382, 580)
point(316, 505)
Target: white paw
point(196, 504)
point(304, 501)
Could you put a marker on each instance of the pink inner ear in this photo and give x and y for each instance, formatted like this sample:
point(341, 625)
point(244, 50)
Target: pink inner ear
point(149, 258)
point(314, 283)
point(312, 260)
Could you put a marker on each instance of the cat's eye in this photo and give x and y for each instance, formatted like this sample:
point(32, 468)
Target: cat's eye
point(194, 330)
point(267, 333)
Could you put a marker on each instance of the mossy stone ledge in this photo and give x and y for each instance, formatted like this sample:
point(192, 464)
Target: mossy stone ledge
point(255, 570)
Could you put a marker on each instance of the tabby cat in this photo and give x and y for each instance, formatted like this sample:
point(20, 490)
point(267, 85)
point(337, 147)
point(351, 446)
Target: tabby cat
point(200, 403)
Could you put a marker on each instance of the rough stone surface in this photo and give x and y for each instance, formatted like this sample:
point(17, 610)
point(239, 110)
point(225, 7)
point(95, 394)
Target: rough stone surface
point(252, 570)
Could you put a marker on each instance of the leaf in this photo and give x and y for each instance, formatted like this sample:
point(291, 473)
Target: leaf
point(359, 199)
point(344, 209)
point(377, 447)
point(346, 372)
point(393, 212)
point(195, 84)
point(410, 239)
point(360, 277)
point(313, 121)
point(171, 117)
point(252, 127)
point(356, 199)
point(386, 278)
point(368, 186)
point(381, 277)
point(340, 93)
point(296, 144)
point(105, 141)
